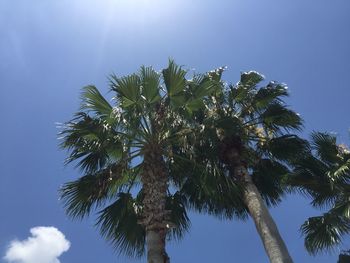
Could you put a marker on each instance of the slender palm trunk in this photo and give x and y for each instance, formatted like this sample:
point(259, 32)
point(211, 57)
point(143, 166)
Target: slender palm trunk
point(156, 247)
point(265, 225)
point(154, 180)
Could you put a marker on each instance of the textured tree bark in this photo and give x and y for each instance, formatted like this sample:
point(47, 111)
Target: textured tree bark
point(265, 225)
point(155, 185)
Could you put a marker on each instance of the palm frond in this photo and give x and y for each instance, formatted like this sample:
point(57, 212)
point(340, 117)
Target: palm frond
point(197, 90)
point(216, 74)
point(207, 189)
point(175, 83)
point(341, 173)
point(150, 81)
point(176, 204)
point(325, 146)
point(310, 178)
point(323, 233)
point(90, 141)
point(251, 78)
point(277, 116)
point(268, 177)
point(342, 205)
point(94, 101)
point(323, 174)
point(92, 190)
point(273, 92)
point(118, 224)
point(240, 94)
point(287, 147)
point(128, 89)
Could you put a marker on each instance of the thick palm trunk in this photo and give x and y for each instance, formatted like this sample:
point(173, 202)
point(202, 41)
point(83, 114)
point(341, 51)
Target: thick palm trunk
point(265, 225)
point(154, 180)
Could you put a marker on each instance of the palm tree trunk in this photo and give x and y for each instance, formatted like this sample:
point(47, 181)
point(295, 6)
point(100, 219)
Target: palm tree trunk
point(155, 185)
point(156, 248)
point(265, 225)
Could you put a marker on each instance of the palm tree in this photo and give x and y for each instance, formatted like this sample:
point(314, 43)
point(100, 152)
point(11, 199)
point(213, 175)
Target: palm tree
point(324, 175)
point(242, 152)
point(124, 152)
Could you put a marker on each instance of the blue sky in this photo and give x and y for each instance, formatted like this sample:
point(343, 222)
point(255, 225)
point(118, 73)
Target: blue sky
point(50, 49)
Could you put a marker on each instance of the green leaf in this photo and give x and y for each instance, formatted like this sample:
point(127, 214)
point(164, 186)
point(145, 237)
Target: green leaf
point(118, 224)
point(340, 173)
point(93, 100)
point(202, 86)
point(178, 100)
point(287, 147)
point(174, 79)
point(194, 105)
point(150, 81)
point(269, 94)
point(326, 147)
point(128, 89)
point(268, 176)
point(216, 74)
point(92, 190)
point(91, 141)
point(342, 207)
point(239, 93)
point(278, 116)
point(324, 232)
point(205, 186)
point(251, 78)
point(176, 204)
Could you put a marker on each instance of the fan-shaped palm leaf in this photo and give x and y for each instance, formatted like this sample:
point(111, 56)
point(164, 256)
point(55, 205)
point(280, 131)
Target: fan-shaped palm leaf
point(324, 232)
point(323, 174)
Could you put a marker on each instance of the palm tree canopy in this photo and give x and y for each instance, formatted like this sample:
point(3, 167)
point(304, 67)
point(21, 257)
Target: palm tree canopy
point(108, 142)
point(323, 174)
point(255, 121)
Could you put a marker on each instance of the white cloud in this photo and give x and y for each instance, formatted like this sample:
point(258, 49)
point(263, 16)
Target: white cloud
point(44, 246)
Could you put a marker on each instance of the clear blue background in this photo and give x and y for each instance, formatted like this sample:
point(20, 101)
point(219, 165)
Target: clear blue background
point(50, 49)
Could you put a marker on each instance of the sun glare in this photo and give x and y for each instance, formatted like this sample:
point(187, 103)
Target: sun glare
point(131, 11)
